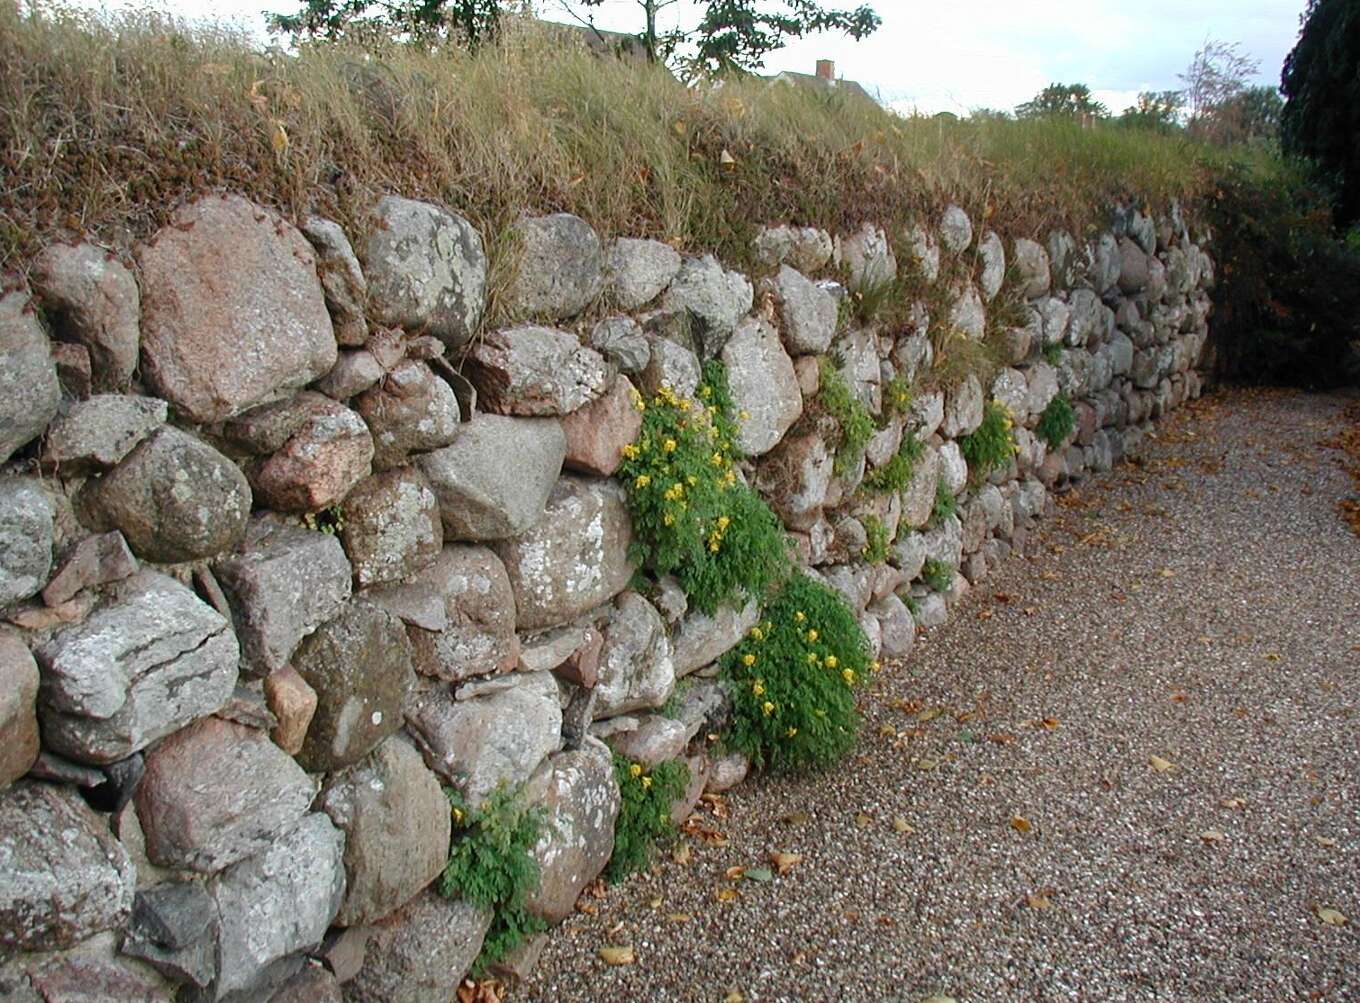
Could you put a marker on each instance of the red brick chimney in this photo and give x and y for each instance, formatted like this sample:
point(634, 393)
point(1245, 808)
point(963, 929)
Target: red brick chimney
point(826, 70)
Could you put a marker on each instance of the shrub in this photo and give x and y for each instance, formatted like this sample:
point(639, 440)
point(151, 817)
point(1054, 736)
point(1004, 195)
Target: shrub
point(644, 813)
point(692, 517)
point(491, 867)
point(895, 475)
point(945, 503)
point(791, 680)
point(877, 543)
point(1053, 353)
point(897, 396)
point(853, 418)
point(938, 575)
point(1056, 422)
point(992, 445)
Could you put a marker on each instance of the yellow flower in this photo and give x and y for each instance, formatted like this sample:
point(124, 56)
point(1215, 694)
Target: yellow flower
point(635, 770)
point(731, 478)
point(758, 688)
point(812, 658)
point(767, 707)
point(748, 660)
point(724, 522)
point(683, 403)
point(757, 633)
point(646, 783)
point(642, 481)
point(669, 445)
point(831, 661)
point(458, 815)
point(716, 459)
point(791, 732)
point(849, 676)
point(705, 391)
point(631, 452)
point(812, 635)
point(713, 413)
point(668, 519)
point(714, 546)
point(744, 415)
point(799, 616)
point(875, 665)
point(692, 481)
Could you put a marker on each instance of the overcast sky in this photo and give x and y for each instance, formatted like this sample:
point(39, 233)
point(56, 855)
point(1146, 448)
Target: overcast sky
point(957, 55)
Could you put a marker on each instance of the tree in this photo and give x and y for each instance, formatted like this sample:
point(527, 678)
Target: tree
point(1159, 110)
point(472, 21)
point(737, 35)
point(1321, 85)
point(1063, 101)
point(1214, 81)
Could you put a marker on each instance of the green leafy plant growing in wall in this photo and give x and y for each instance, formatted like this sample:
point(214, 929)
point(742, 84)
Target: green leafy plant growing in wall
point(491, 866)
point(938, 575)
point(896, 474)
point(792, 679)
point(1053, 353)
point(877, 544)
point(897, 396)
point(644, 821)
point(1056, 422)
point(852, 417)
point(945, 503)
point(992, 444)
point(692, 516)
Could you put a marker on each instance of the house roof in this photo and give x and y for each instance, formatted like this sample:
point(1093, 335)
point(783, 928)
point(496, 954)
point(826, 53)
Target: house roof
point(849, 88)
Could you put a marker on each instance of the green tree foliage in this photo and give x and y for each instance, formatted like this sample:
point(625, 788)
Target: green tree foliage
point(470, 21)
point(1159, 110)
point(1321, 85)
point(1063, 101)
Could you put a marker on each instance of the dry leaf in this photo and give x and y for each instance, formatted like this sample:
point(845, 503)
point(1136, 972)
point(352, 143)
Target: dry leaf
point(679, 917)
point(863, 821)
point(682, 854)
point(618, 955)
point(733, 873)
point(785, 862)
point(278, 136)
point(726, 895)
point(1020, 824)
point(796, 818)
point(1038, 901)
point(735, 996)
point(1159, 764)
point(901, 825)
point(1326, 842)
point(1001, 738)
point(1236, 804)
point(887, 731)
point(1331, 916)
point(1212, 836)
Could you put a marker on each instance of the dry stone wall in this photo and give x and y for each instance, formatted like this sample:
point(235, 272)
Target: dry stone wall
point(289, 543)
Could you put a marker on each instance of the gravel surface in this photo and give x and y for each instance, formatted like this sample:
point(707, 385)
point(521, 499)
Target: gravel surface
point(1203, 608)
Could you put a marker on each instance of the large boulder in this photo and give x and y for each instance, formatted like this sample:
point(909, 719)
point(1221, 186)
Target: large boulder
point(480, 497)
point(700, 639)
point(575, 558)
point(420, 953)
point(276, 903)
point(1133, 267)
point(956, 229)
point(396, 822)
point(558, 269)
point(233, 314)
point(622, 343)
point(18, 708)
point(670, 365)
point(218, 792)
point(794, 478)
point(391, 526)
point(477, 636)
point(597, 433)
point(638, 271)
point(145, 664)
point(963, 408)
point(807, 312)
point(918, 497)
point(411, 410)
point(497, 737)
point(535, 371)
point(636, 669)
point(95, 434)
point(92, 300)
point(578, 792)
point(174, 498)
point(991, 265)
point(63, 877)
point(283, 583)
point(325, 449)
point(763, 386)
point(713, 299)
point(868, 257)
point(967, 315)
point(426, 270)
point(359, 664)
point(1032, 268)
point(26, 537)
point(29, 392)
point(342, 279)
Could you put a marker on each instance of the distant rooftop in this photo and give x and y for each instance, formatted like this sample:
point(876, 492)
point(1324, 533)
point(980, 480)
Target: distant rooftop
point(825, 79)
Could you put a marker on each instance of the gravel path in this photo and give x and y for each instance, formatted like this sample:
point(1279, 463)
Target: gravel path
point(1204, 609)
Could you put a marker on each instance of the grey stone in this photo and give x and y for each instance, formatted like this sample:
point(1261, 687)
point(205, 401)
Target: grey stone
point(1056, 319)
point(535, 371)
point(557, 269)
point(621, 341)
point(992, 265)
point(714, 299)
point(575, 558)
point(313, 984)
point(897, 629)
point(1032, 267)
point(909, 555)
point(233, 314)
point(396, 822)
point(277, 902)
point(96, 434)
point(411, 410)
point(359, 664)
point(807, 312)
point(933, 611)
point(95, 560)
point(860, 368)
point(918, 497)
point(638, 271)
point(480, 498)
point(392, 526)
point(1133, 267)
point(963, 408)
point(956, 230)
point(927, 411)
point(426, 270)
point(794, 478)
point(727, 772)
point(174, 498)
point(173, 914)
point(669, 365)
point(353, 373)
point(549, 649)
point(923, 249)
point(967, 315)
point(701, 639)
point(581, 798)
point(868, 257)
point(654, 741)
point(218, 792)
point(637, 670)
point(63, 877)
point(147, 663)
point(944, 543)
point(342, 280)
point(26, 536)
point(91, 299)
point(1011, 389)
point(913, 355)
point(19, 744)
point(283, 583)
point(1043, 386)
point(420, 953)
point(953, 467)
point(478, 637)
point(496, 738)
point(1104, 263)
point(1064, 266)
point(320, 449)
point(763, 386)
point(29, 391)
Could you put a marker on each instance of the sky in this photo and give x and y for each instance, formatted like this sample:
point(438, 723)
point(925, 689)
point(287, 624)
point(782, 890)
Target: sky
point(960, 55)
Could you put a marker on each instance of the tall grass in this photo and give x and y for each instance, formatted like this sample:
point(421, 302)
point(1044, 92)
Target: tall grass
point(108, 121)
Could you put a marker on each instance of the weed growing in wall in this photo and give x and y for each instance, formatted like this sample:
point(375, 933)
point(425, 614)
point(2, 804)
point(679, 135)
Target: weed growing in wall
point(938, 575)
point(945, 503)
point(876, 543)
point(792, 679)
point(897, 396)
point(1056, 422)
point(1053, 353)
point(491, 867)
point(853, 418)
point(692, 515)
point(992, 444)
point(644, 813)
point(896, 474)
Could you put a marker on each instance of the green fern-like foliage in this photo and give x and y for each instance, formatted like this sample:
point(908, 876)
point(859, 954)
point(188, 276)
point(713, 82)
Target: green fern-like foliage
point(896, 474)
point(877, 544)
point(644, 813)
point(992, 444)
point(938, 575)
point(945, 503)
point(491, 866)
point(1056, 422)
point(1053, 353)
point(853, 418)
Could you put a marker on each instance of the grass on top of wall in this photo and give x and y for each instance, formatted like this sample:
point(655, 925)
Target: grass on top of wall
point(108, 121)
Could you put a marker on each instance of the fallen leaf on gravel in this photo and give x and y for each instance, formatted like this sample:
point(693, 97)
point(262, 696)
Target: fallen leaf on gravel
point(486, 991)
point(654, 903)
point(863, 821)
point(1020, 824)
point(1331, 916)
point(929, 714)
point(984, 614)
point(887, 731)
point(618, 955)
point(1037, 901)
point(1326, 842)
point(927, 764)
point(679, 917)
point(901, 825)
point(796, 818)
point(939, 999)
point(1159, 764)
point(726, 895)
point(735, 996)
point(1167, 573)
point(1177, 696)
point(682, 854)
point(1272, 656)
point(1001, 738)
point(785, 862)
point(1212, 836)
point(762, 874)
point(733, 873)
point(1236, 804)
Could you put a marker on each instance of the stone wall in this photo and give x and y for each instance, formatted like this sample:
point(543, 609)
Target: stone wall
point(290, 541)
